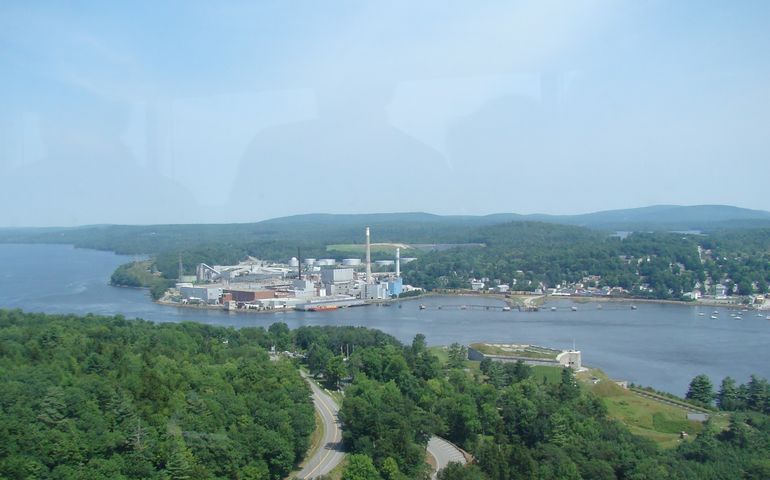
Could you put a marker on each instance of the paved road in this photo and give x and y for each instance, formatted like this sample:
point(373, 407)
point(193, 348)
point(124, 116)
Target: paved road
point(444, 452)
point(330, 454)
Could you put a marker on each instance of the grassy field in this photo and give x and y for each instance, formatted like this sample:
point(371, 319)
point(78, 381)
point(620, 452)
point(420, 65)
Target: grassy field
point(660, 422)
point(550, 374)
point(527, 352)
point(360, 249)
point(657, 421)
point(443, 358)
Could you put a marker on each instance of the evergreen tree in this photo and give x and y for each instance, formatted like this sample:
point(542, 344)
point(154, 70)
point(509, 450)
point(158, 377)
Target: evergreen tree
point(568, 387)
point(727, 398)
point(457, 355)
point(701, 390)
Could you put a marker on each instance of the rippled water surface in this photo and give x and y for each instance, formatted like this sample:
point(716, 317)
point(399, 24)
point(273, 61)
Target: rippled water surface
point(659, 345)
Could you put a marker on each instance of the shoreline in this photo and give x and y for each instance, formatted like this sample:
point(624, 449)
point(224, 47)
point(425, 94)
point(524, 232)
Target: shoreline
point(513, 301)
point(220, 308)
point(543, 299)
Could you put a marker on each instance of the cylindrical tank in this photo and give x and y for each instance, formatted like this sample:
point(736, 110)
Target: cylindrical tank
point(293, 262)
point(325, 262)
point(351, 262)
point(383, 263)
point(310, 261)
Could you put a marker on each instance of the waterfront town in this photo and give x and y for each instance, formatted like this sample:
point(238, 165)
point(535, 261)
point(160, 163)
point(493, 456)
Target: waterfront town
point(312, 284)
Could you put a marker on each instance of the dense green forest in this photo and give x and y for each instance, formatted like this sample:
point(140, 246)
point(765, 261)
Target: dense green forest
point(651, 265)
point(105, 397)
point(109, 398)
point(517, 426)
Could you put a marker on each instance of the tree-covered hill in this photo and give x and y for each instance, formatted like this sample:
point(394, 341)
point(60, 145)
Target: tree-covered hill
point(109, 398)
point(655, 265)
point(516, 423)
point(312, 230)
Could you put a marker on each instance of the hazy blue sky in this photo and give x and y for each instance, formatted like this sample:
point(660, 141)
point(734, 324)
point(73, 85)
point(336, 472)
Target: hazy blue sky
point(152, 112)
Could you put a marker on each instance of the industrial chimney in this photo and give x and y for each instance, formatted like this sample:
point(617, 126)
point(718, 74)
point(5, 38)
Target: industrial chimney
point(299, 264)
point(398, 262)
point(368, 258)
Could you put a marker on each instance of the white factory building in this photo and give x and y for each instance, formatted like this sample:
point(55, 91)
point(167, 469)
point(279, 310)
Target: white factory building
point(202, 294)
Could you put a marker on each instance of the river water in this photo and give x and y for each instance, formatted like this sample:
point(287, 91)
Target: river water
point(664, 346)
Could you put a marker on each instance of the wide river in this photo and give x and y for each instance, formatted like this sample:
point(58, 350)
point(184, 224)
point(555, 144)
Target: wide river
point(664, 346)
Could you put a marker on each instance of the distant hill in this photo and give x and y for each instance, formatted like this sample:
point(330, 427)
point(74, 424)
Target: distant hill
point(655, 217)
point(318, 229)
point(666, 217)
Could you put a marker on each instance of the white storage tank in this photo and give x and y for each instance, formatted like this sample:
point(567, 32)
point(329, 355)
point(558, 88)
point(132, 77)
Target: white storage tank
point(293, 262)
point(384, 263)
point(326, 262)
point(310, 262)
point(351, 262)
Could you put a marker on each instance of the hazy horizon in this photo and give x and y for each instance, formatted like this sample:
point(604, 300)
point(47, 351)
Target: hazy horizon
point(199, 113)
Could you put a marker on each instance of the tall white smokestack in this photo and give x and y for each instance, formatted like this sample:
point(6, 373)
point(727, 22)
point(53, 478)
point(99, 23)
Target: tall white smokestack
point(368, 258)
point(398, 262)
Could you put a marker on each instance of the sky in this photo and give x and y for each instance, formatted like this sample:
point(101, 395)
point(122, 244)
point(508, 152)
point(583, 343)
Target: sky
point(212, 112)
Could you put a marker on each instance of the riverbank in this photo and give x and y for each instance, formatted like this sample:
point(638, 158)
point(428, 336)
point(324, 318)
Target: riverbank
point(529, 302)
point(220, 308)
point(694, 303)
point(541, 299)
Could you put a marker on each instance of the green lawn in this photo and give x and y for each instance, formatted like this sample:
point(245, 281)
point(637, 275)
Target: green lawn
point(551, 374)
point(443, 358)
point(657, 421)
point(527, 352)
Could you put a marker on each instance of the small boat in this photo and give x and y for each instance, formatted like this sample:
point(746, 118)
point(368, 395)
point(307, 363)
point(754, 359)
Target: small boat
point(574, 309)
point(463, 307)
point(768, 317)
point(715, 312)
point(738, 317)
point(423, 307)
point(701, 314)
point(322, 308)
point(553, 309)
point(633, 307)
point(506, 308)
point(714, 317)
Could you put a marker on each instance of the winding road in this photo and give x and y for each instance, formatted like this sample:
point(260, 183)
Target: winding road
point(444, 452)
point(331, 453)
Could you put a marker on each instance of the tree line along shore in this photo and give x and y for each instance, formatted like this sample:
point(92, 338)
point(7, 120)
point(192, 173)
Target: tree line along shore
point(106, 397)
